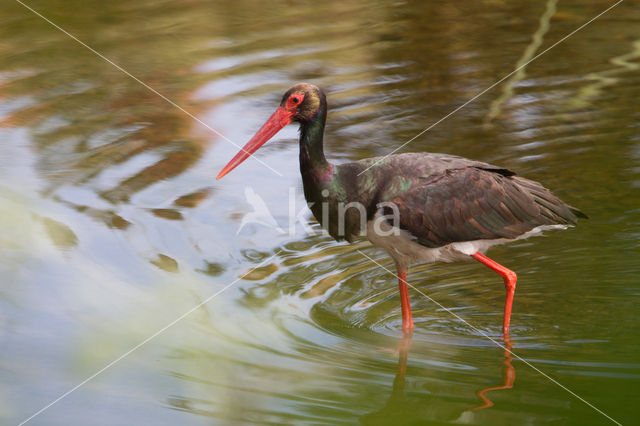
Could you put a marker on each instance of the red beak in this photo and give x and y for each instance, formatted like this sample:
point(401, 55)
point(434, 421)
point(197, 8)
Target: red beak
point(277, 121)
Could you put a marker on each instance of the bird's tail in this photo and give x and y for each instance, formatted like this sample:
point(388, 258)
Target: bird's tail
point(552, 207)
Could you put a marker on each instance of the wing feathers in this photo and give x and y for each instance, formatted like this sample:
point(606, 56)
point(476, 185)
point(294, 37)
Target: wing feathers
point(473, 203)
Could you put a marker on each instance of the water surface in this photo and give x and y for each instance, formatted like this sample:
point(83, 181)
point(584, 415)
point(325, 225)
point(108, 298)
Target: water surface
point(112, 225)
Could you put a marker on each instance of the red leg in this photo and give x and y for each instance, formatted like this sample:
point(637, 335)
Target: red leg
point(509, 284)
point(407, 319)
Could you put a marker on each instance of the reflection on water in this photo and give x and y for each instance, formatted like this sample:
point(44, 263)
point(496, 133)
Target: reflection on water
point(397, 405)
point(508, 378)
point(527, 56)
point(112, 224)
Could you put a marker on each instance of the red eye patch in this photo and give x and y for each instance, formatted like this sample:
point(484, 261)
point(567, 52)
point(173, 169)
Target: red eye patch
point(294, 100)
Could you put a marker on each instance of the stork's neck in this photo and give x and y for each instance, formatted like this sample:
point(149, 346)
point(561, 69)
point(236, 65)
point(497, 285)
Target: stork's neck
point(313, 164)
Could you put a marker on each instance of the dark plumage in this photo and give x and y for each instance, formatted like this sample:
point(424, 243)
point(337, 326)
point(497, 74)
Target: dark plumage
point(444, 199)
point(444, 207)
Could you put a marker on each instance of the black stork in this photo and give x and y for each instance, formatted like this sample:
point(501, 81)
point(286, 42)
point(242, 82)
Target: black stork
point(419, 207)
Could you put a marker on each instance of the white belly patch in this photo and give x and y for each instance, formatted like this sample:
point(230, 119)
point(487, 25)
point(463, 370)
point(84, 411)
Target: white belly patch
point(401, 245)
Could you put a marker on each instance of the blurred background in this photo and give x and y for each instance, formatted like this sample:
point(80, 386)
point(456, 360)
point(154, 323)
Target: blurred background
point(112, 224)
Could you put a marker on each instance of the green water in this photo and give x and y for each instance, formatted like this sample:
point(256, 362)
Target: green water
point(121, 260)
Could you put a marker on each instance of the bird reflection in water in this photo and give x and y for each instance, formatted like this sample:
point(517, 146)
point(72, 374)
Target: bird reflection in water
point(403, 356)
point(508, 377)
point(398, 402)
